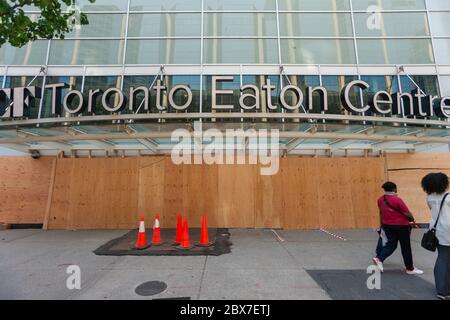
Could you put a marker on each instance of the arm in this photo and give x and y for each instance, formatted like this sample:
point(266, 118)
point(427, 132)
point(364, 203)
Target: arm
point(404, 208)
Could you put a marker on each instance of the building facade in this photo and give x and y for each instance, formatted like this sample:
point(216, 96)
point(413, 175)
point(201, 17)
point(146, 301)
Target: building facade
point(211, 51)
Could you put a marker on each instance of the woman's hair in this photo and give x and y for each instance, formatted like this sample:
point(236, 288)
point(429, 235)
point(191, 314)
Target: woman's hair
point(389, 186)
point(435, 183)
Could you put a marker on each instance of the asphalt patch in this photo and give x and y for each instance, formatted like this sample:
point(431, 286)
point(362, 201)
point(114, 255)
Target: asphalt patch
point(352, 285)
point(123, 246)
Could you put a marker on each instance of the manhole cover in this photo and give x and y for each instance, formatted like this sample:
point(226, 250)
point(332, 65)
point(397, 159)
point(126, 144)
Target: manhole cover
point(150, 288)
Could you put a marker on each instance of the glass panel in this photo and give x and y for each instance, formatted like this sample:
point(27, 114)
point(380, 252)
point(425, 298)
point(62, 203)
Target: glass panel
point(193, 82)
point(12, 82)
point(166, 5)
point(389, 4)
point(392, 24)
point(180, 98)
point(438, 4)
point(170, 51)
point(81, 52)
point(439, 23)
point(74, 83)
point(302, 82)
point(103, 83)
point(442, 50)
point(313, 5)
point(33, 53)
point(101, 5)
point(395, 51)
point(429, 84)
point(138, 81)
point(445, 85)
point(378, 83)
point(101, 25)
point(222, 99)
point(315, 51)
point(259, 81)
point(165, 25)
point(334, 85)
point(316, 24)
point(240, 24)
point(240, 5)
point(241, 51)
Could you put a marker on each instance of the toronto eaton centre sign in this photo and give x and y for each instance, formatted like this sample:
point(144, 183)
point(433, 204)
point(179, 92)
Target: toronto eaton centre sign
point(17, 102)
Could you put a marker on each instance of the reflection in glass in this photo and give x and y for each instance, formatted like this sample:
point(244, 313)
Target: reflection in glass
point(395, 51)
point(316, 25)
point(228, 99)
point(442, 50)
point(428, 84)
point(396, 24)
point(252, 5)
point(240, 24)
point(334, 85)
point(313, 51)
point(74, 83)
point(13, 82)
point(180, 98)
point(170, 51)
point(102, 83)
point(165, 5)
point(138, 103)
point(81, 52)
point(260, 81)
point(33, 53)
point(389, 4)
point(439, 23)
point(314, 5)
point(239, 51)
point(165, 25)
point(378, 83)
point(101, 25)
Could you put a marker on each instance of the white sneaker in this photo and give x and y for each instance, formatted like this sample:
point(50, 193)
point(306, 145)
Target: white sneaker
point(414, 271)
point(378, 263)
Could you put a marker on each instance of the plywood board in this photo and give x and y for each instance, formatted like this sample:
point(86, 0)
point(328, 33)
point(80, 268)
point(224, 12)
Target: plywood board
point(24, 186)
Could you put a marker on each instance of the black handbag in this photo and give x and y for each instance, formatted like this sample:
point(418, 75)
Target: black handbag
point(429, 241)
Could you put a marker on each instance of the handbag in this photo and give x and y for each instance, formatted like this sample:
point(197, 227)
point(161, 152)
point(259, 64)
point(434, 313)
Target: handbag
point(429, 241)
point(396, 210)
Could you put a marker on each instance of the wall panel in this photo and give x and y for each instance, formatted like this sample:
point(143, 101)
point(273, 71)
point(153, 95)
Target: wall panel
point(306, 193)
point(24, 185)
point(407, 172)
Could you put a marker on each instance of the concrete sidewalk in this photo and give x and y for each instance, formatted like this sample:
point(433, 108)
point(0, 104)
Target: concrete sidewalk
point(33, 265)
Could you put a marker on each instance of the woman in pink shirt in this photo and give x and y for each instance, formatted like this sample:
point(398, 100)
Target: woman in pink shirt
point(396, 222)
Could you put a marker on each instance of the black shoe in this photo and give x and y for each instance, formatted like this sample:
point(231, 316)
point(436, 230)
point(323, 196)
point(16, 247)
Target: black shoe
point(442, 297)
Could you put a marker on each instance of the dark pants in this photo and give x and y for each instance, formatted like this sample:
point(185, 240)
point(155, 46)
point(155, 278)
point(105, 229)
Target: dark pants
point(380, 246)
point(397, 234)
point(442, 271)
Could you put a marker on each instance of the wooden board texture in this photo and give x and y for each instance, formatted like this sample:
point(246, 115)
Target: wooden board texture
point(111, 193)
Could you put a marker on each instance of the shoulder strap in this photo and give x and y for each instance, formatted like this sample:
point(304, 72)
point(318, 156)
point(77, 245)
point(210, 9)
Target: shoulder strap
point(390, 206)
point(440, 210)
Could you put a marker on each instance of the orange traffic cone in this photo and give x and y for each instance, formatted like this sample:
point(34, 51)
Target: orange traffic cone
point(179, 232)
point(141, 242)
point(185, 242)
point(204, 237)
point(156, 239)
